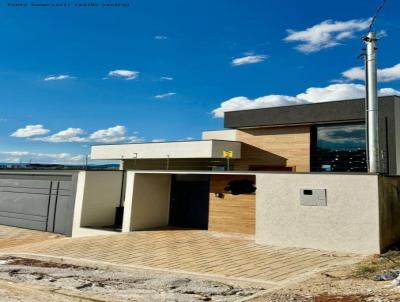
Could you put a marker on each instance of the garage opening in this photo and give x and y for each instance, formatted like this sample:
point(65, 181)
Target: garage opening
point(216, 202)
point(213, 202)
point(189, 204)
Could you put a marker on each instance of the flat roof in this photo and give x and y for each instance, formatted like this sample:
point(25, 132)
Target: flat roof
point(202, 149)
point(165, 142)
point(315, 113)
point(210, 172)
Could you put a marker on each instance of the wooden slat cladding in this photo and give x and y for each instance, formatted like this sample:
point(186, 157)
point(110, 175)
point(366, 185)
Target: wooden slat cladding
point(283, 146)
point(232, 213)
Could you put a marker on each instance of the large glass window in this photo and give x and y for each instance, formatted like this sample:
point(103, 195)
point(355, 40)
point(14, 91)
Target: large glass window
point(338, 148)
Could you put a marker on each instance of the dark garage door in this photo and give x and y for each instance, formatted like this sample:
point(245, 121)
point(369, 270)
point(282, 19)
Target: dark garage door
point(36, 202)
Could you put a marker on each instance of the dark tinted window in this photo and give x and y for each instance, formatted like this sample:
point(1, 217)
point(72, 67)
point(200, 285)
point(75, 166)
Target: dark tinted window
point(339, 148)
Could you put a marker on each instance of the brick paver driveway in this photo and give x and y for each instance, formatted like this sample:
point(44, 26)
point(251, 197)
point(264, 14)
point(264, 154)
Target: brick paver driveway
point(13, 237)
point(201, 252)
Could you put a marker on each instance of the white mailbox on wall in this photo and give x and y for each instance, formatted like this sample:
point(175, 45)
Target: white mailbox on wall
point(313, 197)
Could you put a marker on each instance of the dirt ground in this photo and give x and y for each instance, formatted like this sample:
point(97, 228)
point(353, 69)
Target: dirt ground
point(346, 284)
point(18, 292)
point(31, 280)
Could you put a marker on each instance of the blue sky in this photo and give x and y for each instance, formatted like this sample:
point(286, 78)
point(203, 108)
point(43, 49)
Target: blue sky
point(166, 70)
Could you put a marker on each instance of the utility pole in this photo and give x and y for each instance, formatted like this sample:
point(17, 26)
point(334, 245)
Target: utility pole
point(372, 105)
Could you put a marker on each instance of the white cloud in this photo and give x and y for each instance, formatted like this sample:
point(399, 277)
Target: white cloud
point(326, 34)
point(355, 73)
point(160, 37)
point(67, 135)
point(388, 91)
point(164, 95)
point(166, 78)
point(243, 103)
point(158, 140)
point(72, 135)
point(30, 130)
point(334, 92)
point(123, 74)
point(36, 157)
point(384, 75)
point(59, 77)
point(109, 135)
point(249, 59)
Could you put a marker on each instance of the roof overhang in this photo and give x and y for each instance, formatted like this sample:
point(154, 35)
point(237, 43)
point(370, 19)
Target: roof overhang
point(187, 149)
point(345, 111)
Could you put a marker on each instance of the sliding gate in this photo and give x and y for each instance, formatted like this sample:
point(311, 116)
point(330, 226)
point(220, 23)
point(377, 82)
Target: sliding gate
point(37, 201)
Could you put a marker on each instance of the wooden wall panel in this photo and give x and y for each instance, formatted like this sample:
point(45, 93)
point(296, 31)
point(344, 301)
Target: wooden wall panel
point(233, 213)
point(281, 146)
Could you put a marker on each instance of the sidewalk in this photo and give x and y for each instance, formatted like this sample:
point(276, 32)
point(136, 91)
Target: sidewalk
point(11, 237)
point(203, 253)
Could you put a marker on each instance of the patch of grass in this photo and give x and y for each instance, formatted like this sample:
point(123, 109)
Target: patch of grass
point(378, 264)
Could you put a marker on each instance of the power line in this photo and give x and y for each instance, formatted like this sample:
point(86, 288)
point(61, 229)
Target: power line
point(378, 10)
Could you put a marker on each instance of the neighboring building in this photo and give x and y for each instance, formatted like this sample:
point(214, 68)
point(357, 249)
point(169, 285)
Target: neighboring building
point(319, 137)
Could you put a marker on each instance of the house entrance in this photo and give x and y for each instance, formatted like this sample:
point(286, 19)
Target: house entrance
point(189, 201)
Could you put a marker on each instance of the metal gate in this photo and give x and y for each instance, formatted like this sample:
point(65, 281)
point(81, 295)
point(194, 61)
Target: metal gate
point(37, 201)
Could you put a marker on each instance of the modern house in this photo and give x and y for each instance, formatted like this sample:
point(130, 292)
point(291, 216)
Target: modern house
point(320, 137)
point(289, 176)
point(307, 162)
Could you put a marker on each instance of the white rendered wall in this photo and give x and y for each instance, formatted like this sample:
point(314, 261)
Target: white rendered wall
point(101, 195)
point(80, 190)
point(349, 222)
point(147, 201)
point(163, 150)
point(229, 135)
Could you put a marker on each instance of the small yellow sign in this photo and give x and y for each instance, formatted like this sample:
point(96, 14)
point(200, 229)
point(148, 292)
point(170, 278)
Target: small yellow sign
point(228, 153)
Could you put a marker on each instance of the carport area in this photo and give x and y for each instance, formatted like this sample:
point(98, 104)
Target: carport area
point(329, 211)
point(205, 253)
point(191, 200)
